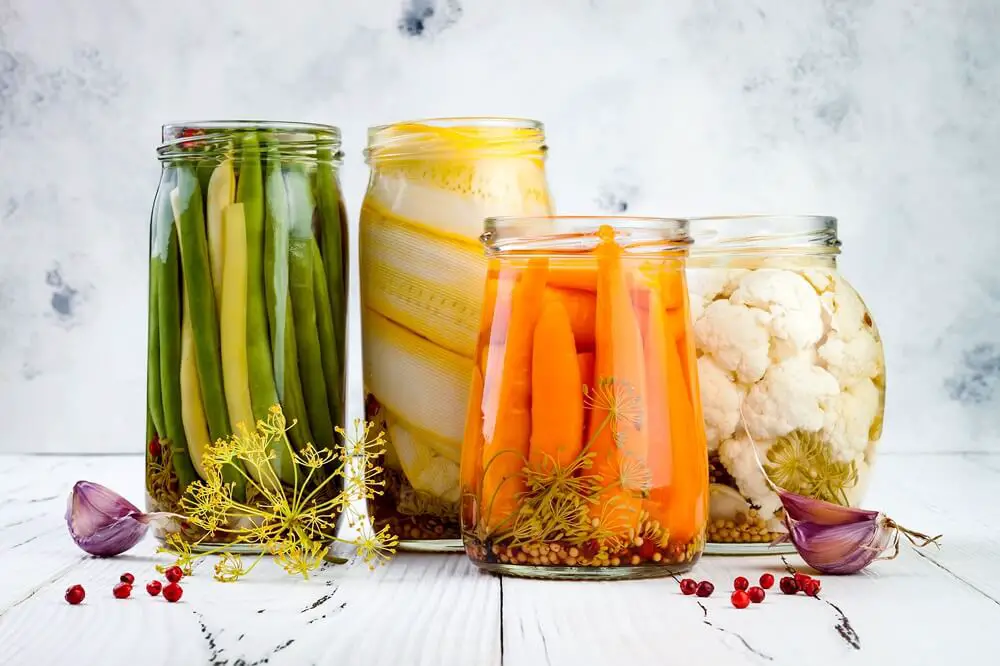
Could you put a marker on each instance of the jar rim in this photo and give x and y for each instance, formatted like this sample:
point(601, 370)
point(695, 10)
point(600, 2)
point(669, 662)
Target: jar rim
point(580, 233)
point(762, 232)
point(458, 122)
point(177, 135)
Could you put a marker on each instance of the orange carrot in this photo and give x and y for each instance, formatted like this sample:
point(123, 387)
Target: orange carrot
point(618, 438)
point(493, 341)
point(689, 457)
point(581, 308)
point(586, 363)
point(584, 279)
point(507, 438)
point(556, 398)
point(472, 448)
point(657, 388)
point(673, 287)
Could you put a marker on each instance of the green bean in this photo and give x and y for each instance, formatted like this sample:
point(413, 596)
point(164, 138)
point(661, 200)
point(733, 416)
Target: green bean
point(332, 353)
point(169, 313)
point(333, 235)
point(250, 192)
point(300, 290)
point(154, 402)
point(189, 217)
point(279, 309)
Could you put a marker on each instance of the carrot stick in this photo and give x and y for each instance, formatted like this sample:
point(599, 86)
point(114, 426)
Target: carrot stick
point(618, 438)
point(586, 363)
point(584, 279)
point(657, 387)
point(581, 309)
point(472, 447)
point(673, 287)
point(505, 451)
point(556, 397)
point(688, 506)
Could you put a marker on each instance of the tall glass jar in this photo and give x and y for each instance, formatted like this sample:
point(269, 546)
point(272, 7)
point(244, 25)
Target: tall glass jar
point(783, 336)
point(247, 303)
point(584, 453)
point(433, 182)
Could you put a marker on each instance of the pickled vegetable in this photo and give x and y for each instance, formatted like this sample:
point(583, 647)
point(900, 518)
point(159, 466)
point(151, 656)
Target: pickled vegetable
point(247, 305)
point(583, 450)
point(422, 274)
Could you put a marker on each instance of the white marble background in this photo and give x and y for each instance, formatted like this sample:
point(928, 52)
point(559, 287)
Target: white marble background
point(885, 114)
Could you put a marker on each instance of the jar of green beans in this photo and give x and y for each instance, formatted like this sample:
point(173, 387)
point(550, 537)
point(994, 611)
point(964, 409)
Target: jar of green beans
point(248, 265)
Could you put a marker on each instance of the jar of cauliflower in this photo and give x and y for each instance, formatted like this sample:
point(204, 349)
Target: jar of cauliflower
point(783, 337)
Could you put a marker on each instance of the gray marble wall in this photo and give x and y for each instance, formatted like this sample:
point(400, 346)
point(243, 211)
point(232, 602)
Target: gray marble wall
point(885, 114)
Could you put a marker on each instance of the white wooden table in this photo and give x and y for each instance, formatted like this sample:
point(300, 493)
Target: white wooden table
point(928, 607)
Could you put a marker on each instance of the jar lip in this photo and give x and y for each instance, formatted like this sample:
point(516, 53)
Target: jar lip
point(177, 135)
point(576, 233)
point(787, 233)
point(458, 122)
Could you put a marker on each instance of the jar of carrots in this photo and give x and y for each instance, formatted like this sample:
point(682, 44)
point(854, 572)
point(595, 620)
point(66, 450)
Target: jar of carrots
point(584, 454)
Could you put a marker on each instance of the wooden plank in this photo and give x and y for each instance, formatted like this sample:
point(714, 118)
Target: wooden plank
point(921, 607)
point(434, 609)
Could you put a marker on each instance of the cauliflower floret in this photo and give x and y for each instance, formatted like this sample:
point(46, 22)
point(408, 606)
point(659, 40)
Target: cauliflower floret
point(720, 397)
point(851, 359)
point(822, 281)
point(791, 396)
point(846, 309)
point(712, 283)
point(738, 457)
point(737, 337)
point(791, 301)
point(848, 419)
point(697, 307)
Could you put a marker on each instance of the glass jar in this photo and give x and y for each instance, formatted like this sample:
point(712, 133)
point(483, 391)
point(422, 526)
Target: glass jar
point(584, 453)
point(783, 336)
point(433, 182)
point(247, 304)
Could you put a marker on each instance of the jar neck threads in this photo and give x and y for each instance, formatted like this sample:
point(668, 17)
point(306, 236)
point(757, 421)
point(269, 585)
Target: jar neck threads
point(568, 234)
point(224, 138)
point(764, 235)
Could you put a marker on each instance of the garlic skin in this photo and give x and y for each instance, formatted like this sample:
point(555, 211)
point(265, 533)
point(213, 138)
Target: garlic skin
point(844, 548)
point(102, 522)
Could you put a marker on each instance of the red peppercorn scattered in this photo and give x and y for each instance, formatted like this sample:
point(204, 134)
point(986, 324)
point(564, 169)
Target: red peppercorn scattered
point(688, 586)
point(172, 592)
point(705, 589)
point(766, 581)
point(801, 578)
point(154, 447)
point(741, 583)
point(173, 574)
point(122, 590)
point(788, 585)
point(811, 588)
point(153, 587)
point(740, 599)
point(756, 594)
point(75, 594)
point(127, 578)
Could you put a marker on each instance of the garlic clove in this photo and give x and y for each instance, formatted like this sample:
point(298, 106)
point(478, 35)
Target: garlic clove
point(808, 509)
point(102, 522)
point(840, 549)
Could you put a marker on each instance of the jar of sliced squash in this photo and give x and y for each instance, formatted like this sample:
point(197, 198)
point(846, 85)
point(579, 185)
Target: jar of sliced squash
point(433, 182)
point(584, 452)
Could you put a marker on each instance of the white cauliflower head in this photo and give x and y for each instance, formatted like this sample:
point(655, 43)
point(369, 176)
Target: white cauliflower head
point(720, 398)
point(858, 357)
point(712, 283)
point(738, 457)
point(737, 337)
point(794, 306)
point(848, 419)
point(846, 309)
point(791, 396)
